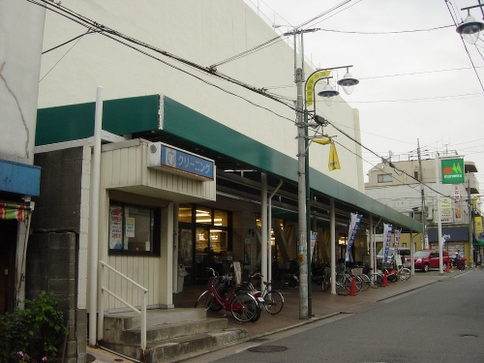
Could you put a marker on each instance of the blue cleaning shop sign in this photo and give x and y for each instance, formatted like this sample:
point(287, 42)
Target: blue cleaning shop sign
point(186, 162)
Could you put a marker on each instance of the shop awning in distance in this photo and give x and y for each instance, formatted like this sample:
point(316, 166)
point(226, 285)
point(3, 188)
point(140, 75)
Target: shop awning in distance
point(19, 212)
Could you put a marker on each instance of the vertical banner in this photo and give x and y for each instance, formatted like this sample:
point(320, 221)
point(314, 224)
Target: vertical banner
point(387, 235)
point(445, 237)
point(398, 233)
point(354, 222)
point(457, 211)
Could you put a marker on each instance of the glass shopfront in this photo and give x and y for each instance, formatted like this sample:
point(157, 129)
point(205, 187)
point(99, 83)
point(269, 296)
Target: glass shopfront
point(205, 241)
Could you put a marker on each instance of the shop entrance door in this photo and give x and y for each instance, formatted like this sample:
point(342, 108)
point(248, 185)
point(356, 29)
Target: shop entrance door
point(203, 253)
point(211, 251)
point(8, 242)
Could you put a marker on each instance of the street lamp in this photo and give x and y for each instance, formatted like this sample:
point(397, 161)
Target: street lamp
point(304, 211)
point(469, 29)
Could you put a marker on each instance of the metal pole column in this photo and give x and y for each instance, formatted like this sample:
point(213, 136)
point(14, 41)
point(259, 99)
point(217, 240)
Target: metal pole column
point(302, 220)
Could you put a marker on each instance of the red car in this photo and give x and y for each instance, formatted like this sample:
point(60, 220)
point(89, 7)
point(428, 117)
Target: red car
point(427, 259)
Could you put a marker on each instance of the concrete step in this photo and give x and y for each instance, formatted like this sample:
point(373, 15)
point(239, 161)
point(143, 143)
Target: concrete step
point(170, 333)
point(132, 320)
point(177, 347)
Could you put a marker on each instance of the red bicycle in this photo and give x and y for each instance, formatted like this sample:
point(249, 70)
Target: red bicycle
point(223, 294)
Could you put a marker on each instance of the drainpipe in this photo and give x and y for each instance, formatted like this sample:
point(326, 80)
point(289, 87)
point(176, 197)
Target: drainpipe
point(269, 229)
point(94, 219)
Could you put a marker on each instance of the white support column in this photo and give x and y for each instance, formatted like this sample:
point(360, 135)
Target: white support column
point(94, 218)
point(263, 214)
point(332, 227)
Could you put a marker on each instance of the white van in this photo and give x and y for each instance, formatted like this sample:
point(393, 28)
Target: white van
point(403, 252)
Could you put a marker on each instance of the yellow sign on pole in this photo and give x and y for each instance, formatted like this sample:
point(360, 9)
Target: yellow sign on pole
point(316, 76)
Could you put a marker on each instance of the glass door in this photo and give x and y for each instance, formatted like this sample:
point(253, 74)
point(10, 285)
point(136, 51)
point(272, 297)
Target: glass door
point(185, 252)
point(203, 253)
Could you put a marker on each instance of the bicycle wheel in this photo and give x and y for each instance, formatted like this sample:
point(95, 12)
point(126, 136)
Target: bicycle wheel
point(205, 300)
point(404, 274)
point(273, 302)
point(326, 282)
point(244, 308)
point(348, 280)
point(365, 282)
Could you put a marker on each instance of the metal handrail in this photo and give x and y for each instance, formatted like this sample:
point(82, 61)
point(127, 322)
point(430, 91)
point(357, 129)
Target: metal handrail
point(141, 311)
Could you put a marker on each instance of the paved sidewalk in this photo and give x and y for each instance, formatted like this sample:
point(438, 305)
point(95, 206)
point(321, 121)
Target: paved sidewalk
point(323, 305)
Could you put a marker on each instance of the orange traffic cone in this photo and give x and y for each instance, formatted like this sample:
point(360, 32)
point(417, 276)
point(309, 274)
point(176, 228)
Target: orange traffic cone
point(353, 287)
point(385, 281)
point(447, 267)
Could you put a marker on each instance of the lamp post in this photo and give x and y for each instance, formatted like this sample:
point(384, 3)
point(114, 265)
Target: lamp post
point(304, 210)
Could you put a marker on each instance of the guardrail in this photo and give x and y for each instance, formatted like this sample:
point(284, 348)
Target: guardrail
point(141, 311)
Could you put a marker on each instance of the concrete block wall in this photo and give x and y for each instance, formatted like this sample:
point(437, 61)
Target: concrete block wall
point(52, 266)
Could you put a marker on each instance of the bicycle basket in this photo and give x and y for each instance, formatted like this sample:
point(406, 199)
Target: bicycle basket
point(357, 270)
point(215, 280)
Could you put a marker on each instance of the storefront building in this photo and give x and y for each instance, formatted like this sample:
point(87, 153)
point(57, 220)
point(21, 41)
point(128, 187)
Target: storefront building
point(156, 212)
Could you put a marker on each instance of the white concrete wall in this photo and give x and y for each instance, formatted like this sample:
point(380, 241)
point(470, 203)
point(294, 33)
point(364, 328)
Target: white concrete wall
point(204, 32)
point(21, 33)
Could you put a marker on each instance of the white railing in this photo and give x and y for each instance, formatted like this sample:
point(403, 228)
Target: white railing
point(141, 311)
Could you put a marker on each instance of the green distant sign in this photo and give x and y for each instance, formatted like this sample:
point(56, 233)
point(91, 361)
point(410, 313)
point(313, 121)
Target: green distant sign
point(453, 171)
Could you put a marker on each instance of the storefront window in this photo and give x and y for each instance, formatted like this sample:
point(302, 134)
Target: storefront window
point(220, 218)
point(133, 229)
point(185, 214)
point(203, 216)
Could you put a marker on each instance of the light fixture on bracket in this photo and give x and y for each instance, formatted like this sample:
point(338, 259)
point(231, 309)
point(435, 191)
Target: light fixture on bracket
point(469, 29)
point(328, 90)
point(348, 82)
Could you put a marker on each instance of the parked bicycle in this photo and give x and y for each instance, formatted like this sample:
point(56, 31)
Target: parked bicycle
point(403, 273)
point(344, 279)
point(393, 275)
point(271, 301)
point(223, 294)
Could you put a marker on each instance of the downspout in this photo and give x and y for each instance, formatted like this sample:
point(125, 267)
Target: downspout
point(94, 219)
point(20, 273)
point(269, 229)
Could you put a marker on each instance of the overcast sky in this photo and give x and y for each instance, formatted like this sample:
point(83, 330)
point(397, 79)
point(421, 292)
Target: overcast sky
point(417, 80)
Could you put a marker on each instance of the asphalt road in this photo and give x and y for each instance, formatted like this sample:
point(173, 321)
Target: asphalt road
point(439, 323)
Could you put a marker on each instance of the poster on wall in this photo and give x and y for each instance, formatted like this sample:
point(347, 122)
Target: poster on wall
point(116, 228)
point(130, 227)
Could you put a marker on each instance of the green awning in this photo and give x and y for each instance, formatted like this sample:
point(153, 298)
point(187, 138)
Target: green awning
point(479, 242)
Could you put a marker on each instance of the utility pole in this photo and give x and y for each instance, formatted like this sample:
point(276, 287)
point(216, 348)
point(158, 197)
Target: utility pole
point(422, 193)
point(302, 220)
